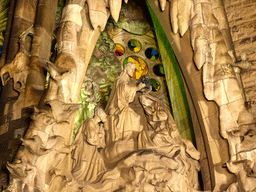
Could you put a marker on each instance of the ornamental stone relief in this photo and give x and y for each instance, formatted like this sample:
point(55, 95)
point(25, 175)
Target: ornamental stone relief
point(131, 142)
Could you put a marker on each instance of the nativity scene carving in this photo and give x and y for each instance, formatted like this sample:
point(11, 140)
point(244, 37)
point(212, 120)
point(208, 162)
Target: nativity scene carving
point(134, 146)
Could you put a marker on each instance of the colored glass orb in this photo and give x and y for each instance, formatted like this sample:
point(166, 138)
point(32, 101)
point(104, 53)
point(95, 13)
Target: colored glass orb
point(141, 66)
point(155, 85)
point(159, 70)
point(134, 45)
point(151, 54)
point(119, 50)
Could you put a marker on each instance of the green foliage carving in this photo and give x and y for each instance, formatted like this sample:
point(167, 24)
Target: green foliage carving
point(103, 68)
point(88, 98)
point(59, 9)
point(130, 20)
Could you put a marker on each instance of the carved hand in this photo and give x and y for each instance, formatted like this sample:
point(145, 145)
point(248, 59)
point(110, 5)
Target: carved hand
point(141, 86)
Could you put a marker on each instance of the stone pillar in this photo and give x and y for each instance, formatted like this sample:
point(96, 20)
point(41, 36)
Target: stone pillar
point(14, 118)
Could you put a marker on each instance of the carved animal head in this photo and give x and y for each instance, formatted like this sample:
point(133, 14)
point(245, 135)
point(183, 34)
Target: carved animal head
point(18, 64)
point(24, 171)
point(58, 143)
point(61, 111)
point(34, 145)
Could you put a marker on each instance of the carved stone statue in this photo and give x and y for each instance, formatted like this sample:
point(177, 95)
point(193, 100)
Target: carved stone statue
point(124, 121)
point(87, 162)
point(149, 154)
point(143, 150)
point(163, 136)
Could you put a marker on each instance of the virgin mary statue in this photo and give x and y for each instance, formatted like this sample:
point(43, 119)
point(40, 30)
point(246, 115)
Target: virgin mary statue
point(123, 121)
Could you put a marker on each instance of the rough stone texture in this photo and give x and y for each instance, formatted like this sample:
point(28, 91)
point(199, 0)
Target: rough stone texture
point(242, 21)
point(12, 129)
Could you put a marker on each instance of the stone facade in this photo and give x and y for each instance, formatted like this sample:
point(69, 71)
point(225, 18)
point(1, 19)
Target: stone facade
point(45, 138)
point(242, 21)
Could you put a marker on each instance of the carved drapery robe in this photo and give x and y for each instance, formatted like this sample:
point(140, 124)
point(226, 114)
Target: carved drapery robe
point(163, 136)
point(123, 121)
point(87, 162)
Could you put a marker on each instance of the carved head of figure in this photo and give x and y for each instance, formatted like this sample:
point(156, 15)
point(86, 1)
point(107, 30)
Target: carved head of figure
point(153, 108)
point(100, 113)
point(130, 68)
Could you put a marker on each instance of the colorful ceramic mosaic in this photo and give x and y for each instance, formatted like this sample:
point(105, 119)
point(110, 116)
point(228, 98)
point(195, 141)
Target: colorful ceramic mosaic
point(155, 85)
point(141, 66)
point(151, 54)
point(158, 70)
point(134, 45)
point(119, 50)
